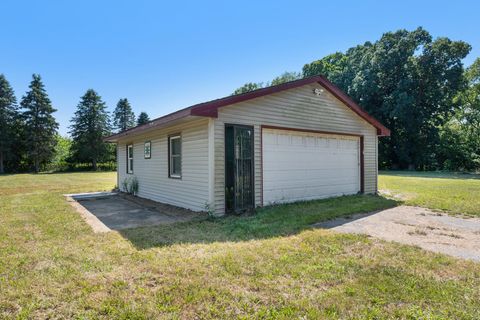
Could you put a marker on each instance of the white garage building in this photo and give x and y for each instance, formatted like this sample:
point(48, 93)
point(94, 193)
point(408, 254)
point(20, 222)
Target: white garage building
point(296, 141)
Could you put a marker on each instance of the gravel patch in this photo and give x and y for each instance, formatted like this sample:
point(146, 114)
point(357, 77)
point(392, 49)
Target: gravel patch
point(433, 231)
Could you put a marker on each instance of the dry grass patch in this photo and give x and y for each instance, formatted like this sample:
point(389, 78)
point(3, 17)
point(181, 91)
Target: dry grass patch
point(268, 266)
point(451, 192)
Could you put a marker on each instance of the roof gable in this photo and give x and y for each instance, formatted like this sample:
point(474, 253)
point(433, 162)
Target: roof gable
point(210, 108)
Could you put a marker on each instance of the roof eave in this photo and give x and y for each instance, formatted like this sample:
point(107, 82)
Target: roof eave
point(163, 121)
point(385, 132)
point(210, 109)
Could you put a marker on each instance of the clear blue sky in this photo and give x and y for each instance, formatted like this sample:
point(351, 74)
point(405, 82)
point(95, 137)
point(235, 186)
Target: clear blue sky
point(165, 56)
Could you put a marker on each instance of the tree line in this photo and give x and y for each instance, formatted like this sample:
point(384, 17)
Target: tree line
point(29, 138)
point(418, 87)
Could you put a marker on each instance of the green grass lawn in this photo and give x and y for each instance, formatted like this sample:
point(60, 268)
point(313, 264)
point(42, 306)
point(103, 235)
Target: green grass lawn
point(267, 223)
point(455, 193)
point(268, 266)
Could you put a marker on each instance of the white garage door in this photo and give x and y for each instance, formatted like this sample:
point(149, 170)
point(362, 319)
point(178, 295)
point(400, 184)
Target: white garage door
point(303, 166)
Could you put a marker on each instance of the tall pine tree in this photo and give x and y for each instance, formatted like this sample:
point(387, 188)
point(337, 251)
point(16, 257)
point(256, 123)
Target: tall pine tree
point(142, 118)
point(40, 125)
point(8, 116)
point(123, 116)
point(89, 125)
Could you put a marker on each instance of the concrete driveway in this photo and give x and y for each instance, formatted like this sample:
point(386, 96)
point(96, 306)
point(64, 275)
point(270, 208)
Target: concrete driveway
point(438, 232)
point(110, 211)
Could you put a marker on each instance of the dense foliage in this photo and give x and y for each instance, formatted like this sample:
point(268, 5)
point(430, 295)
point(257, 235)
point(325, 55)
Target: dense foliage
point(284, 77)
point(460, 137)
point(39, 123)
point(247, 87)
point(8, 118)
point(29, 140)
point(123, 116)
point(417, 87)
point(89, 126)
point(142, 118)
point(408, 82)
point(414, 84)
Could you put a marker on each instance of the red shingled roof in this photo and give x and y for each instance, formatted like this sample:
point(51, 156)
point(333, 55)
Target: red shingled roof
point(210, 108)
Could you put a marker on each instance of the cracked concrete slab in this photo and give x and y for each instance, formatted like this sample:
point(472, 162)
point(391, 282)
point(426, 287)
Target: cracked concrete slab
point(434, 231)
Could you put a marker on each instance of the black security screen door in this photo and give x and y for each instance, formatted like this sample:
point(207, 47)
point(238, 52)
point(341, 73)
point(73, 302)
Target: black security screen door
point(238, 168)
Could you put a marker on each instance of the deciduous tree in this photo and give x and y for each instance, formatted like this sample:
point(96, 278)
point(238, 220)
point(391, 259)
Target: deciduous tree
point(286, 77)
point(247, 87)
point(407, 80)
point(460, 136)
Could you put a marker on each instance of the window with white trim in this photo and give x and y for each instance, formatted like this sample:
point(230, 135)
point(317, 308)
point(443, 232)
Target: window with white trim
point(130, 158)
point(175, 156)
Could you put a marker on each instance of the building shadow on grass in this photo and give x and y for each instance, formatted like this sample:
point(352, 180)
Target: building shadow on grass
point(268, 222)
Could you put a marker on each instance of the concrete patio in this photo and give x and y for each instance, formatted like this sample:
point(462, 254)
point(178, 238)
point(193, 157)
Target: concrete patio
point(113, 211)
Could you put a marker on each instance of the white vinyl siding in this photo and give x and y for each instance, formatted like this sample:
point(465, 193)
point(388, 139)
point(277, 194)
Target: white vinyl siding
point(192, 190)
point(202, 182)
point(295, 108)
point(121, 162)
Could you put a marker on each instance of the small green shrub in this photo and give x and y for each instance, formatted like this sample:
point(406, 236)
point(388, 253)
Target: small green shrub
point(210, 209)
point(125, 185)
point(130, 185)
point(133, 186)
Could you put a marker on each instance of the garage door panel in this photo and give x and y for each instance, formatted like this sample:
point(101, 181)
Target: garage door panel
point(310, 193)
point(312, 176)
point(321, 155)
point(308, 149)
point(304, 166)
point(330, 163)
point(312, 183)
